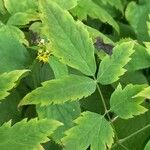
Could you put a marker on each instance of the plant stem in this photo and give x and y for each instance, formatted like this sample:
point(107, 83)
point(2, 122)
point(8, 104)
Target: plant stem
point(123, 146)
point(102, 98)
point(130, 136)
point(107, 113)
point(133, 134)
point(114, 119)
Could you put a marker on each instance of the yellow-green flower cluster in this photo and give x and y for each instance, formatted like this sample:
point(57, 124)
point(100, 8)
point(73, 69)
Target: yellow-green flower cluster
point(43, 54)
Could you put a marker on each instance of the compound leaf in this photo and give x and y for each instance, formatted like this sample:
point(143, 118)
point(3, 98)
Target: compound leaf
point(26, 135)
point(8, 81)
point(69, 40)
point(111, 67)
point(124, 104)
point(91, 129)
point(58, 91)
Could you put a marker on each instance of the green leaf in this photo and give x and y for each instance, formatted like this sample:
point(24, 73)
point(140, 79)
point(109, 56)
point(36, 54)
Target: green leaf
point(65, 4)
point(126, 127)
point(9, 80)
point(59, 68)
point(145, 93)
point(21, 6)
point(69, 40)
point(91, 129)
point(12, 31)
point(26, 135)
point(148, 26)
point(137, 15)
point(111, 67)
point(58, 91)
point(13, 55)
point(147, 147)
point(115, 3)
point(95, 33)
point(2, 7)
point(23, 18)
point(143, 1)
point(89, 8)
point(64, 113)
point(140, 59)
point(9, 109)
point(147, 45)
point(123, 103)
point(135, 77)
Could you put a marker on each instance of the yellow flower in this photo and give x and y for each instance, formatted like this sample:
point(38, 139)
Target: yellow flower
point(43, 56)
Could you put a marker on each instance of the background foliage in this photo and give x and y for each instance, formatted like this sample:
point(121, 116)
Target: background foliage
point(74, 74)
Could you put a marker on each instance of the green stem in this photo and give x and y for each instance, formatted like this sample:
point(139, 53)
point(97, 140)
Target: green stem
point(106, 112)
point(123, 146)
point(130, 136)
point(114, 119)
point(133, 134)
point(102, 98)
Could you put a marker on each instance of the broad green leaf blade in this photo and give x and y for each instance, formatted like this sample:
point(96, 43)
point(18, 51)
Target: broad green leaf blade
point(144, 2)
point(58, 91)
point(140, 59)
point(59, 68)
point(147, 45)
point(89, 8)
point(13, 55)
point(64, 113)
point(13, 6)
point(115, 3)
point(9, 80)
point(65, 4)
point(12, 31)
point(148, 26)
point(69, 40)
point(135, 77)
point(2, 7)
point(147, 147)
point(91, 129)
point(111, 67)
point(124, 105)
point(9, 109)
point(137, 15)
point(23, 18)
point(26, 135)
point(145, 93)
